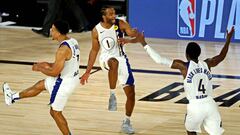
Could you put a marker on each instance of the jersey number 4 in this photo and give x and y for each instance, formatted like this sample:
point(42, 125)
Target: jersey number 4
point(201, 87)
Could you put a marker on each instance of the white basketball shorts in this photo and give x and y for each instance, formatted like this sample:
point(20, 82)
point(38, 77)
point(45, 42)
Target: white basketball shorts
point(60, 90)
point(203, 112)
point(125, 76)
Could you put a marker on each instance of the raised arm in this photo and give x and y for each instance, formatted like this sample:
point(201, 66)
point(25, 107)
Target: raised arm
point(133, 33)
point(214, 61)
point(174, 64)
point(92, 56)
point(124, 26)
point(54, 69)
point(157, 57)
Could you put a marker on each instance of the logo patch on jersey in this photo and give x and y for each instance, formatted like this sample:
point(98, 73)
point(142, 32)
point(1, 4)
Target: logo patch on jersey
point(115, 27)
point(186, 24)
point(108, 43)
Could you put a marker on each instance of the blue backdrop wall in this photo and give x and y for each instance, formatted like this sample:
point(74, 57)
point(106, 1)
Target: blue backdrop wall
point(186, 19)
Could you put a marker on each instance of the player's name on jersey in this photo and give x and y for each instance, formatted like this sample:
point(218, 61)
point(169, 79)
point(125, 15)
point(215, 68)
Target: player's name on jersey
point(198, 71)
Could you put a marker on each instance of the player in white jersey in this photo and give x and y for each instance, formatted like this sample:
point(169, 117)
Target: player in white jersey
point(114, 60)
point(63, 76)
point(202, 109)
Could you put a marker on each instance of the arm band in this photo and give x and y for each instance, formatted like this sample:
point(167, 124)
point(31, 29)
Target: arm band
point(157, 57)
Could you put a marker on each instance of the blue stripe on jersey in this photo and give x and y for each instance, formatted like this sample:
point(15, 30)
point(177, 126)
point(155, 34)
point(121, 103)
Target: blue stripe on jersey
point(65, 43)
point(130, 80)
point(123, 53)
point(55, 89)
point(119, 35)
point(187, 64)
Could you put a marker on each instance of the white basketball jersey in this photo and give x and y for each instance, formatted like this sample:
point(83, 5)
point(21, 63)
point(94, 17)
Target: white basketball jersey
point(107, 39)
point(197, 83)
point(71, 66)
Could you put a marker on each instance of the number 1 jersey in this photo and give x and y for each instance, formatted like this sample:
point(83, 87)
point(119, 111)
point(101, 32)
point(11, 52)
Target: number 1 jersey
point(107, 39)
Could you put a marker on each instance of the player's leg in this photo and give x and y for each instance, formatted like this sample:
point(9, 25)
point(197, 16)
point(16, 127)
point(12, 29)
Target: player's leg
point(60, 121)
point(32, 91)
point(113, 72)
point(213, 123)
point(112, 78)
point(194, 118)
point(62, 89)
point(129, 106)
point(125, 78)
point(130, 93)
point(81, 20)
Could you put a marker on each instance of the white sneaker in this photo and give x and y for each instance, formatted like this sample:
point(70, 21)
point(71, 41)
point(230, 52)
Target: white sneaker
point(7, 94)
point(127, 127)
point(112, 106)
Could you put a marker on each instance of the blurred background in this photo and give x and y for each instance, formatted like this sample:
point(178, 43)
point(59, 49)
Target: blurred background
point(168, 19)
point(32, 12)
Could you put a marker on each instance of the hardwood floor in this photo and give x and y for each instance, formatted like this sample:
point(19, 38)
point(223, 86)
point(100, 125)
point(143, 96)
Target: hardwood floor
point(86, 110)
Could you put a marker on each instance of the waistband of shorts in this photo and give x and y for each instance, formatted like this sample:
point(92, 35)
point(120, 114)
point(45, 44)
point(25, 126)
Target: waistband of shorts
point(206, 99)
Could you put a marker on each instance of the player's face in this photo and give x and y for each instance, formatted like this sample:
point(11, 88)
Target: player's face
point(54, 32)
point(110, 16)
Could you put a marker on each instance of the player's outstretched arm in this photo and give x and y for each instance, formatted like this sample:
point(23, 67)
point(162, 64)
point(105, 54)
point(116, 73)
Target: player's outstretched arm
point(174, 64)
point(92, 56)
point(157, 57)
point(212, 62)
point(152, 53)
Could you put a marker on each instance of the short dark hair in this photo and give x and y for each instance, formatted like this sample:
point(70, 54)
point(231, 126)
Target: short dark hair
point(62, 26)
point(193, 50)
point(104, 8)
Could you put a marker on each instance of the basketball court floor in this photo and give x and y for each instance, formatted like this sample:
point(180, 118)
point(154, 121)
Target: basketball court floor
point(160, 101)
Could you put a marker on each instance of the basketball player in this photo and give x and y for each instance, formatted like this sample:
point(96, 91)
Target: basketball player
point(202, 109)
point(63, 76)
point(113, 59)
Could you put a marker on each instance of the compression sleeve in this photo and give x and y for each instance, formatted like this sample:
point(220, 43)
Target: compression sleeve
point(157, 57)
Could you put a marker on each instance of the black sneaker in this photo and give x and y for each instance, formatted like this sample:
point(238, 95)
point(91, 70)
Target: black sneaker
point(41, 32)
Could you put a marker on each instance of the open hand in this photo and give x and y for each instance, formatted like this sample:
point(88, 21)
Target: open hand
point(84, 78)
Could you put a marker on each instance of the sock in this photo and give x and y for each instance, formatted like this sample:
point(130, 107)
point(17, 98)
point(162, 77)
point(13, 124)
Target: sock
point(112, 91)
point(127, 118)
point(16, 96)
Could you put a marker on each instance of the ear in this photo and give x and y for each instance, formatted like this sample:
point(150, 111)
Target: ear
point(103, 16)
point(58, 34)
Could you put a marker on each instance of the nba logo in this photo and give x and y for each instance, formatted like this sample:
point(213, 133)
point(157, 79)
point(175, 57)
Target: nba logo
point(186, 18)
